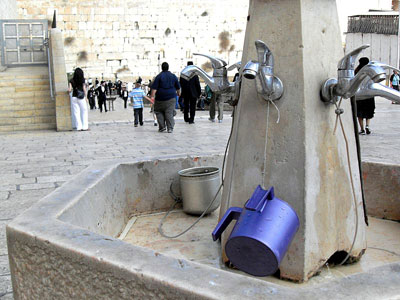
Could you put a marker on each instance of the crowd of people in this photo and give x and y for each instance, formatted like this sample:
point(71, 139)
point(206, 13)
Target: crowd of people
point(165, 92)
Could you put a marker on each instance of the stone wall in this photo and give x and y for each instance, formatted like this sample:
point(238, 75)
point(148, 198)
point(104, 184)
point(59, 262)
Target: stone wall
point(8, 9)
point(132, 38)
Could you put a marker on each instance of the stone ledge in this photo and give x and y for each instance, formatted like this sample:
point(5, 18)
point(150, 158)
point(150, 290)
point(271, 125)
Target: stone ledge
point(382, 190)
point(64, 246)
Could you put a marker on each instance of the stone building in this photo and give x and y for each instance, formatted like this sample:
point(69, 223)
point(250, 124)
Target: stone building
point(380, 31)
point(8, 10)
point(131, 38)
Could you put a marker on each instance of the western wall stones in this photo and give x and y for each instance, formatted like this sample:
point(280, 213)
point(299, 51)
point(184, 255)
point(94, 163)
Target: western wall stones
point(131, 35)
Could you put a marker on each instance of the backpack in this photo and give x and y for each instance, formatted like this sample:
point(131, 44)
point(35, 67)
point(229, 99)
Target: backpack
point(77, 93)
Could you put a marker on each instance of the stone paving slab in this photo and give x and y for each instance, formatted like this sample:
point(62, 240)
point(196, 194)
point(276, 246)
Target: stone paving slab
point(4, 265)
point(5, 287)
point(3, 242)
point(18, 201)
point(383, 144)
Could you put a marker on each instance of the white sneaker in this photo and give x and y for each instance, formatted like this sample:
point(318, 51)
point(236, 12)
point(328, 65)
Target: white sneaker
point(219, 121)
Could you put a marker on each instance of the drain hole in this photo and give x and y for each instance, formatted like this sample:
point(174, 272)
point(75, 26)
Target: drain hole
point(337, 258)
point(277, 274)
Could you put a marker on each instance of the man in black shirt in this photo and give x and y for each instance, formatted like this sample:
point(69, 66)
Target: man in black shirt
point(191, 91)
point(101, 96)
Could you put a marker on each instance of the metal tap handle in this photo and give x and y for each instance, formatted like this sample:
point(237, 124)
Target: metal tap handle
point(384, 66)
point(235, 65)
point(348, 61)
point(264, 54)
point(217, 63)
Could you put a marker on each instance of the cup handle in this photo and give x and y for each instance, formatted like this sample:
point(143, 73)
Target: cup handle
point(232, 213)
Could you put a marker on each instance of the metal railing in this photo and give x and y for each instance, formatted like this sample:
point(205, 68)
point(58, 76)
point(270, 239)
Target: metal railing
point(381, 24)
point(50, 68)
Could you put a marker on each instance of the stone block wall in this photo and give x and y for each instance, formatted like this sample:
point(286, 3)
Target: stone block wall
point(8, 9)
point(132, 38)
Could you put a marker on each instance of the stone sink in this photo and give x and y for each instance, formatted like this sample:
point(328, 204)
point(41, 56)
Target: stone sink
point(96, 238)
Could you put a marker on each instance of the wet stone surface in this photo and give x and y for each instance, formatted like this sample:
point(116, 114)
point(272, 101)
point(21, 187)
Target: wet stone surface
point(198, 246)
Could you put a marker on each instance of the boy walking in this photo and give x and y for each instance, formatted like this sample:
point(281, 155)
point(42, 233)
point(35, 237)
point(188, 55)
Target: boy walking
point(137, 95)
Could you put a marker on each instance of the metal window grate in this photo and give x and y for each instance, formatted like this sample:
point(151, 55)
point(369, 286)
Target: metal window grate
point(23, 42)
point(382, 24)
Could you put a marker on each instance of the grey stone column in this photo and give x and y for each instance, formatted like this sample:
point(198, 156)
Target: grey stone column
point(60, 81)
point(306, 162)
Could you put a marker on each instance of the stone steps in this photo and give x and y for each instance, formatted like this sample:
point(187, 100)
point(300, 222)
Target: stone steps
point(25, 102)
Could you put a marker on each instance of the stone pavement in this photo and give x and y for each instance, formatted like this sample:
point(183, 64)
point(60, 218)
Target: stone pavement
point(383, 144)
point(33, 164)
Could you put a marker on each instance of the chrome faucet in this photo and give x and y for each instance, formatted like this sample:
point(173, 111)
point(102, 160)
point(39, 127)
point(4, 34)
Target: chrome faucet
point(268, 86)
point(363, 85)
point(219, 82)
point(369, 88)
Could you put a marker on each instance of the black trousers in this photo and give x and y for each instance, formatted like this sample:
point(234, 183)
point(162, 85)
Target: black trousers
point(189, 109)
point(138, 113)
point(92, 103)
point(125, 100)
point(101, 103)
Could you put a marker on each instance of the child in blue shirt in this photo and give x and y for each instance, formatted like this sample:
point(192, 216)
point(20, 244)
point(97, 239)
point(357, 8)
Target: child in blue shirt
point(137, 95)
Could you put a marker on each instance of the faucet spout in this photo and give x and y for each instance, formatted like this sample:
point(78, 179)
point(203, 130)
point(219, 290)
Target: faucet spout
point(190, 71)
point(364, 85)
point(349, 85)
point(268, 86)
point(376, 89)
point(218, 83)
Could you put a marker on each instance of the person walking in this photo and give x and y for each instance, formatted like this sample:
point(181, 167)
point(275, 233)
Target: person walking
point(366, 107)
point(79, 106)
point(164, 90)
point(191, 91)
point(91, 96)
point(109, 88)
point(124, 94)
point(394, 82)
point(152, 103)
point(216, 100)
point(119, 88)
point(101, 96)
point(137, 95)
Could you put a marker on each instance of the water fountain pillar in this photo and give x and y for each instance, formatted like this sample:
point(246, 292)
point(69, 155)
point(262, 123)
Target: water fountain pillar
point(305, 161)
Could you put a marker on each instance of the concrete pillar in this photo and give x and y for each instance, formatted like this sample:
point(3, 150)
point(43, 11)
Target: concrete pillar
point(60, 81)
point(306, 162)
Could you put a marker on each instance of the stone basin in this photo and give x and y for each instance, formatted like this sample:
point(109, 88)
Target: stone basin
point(96, 237)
